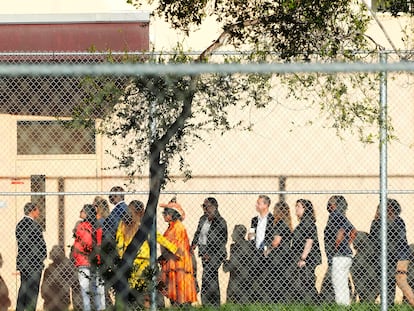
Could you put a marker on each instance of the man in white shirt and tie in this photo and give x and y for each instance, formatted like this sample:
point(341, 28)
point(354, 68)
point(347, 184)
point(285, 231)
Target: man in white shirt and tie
point(261, 234)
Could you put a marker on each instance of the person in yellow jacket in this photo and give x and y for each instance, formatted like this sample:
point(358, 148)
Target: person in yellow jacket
point(140, 276)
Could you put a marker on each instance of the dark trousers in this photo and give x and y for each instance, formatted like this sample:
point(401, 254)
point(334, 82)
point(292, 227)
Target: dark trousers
point(302, 284)
point(28, 291)
point(327, 294)
point(210, 289)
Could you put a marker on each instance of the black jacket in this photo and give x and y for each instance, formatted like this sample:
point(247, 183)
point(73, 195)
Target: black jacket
point(269, 233)
point(216, 237)
point(31, 246)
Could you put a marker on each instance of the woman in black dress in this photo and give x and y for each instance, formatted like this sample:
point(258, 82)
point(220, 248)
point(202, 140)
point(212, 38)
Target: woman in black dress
point(305, 255)
point(277, 252)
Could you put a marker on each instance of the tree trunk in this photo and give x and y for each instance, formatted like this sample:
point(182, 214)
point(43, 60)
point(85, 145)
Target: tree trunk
point(156, 176)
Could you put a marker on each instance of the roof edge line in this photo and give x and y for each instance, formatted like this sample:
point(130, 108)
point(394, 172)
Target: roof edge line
point(67, 18)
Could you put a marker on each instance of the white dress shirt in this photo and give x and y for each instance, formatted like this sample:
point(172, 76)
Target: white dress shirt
point(260, 230)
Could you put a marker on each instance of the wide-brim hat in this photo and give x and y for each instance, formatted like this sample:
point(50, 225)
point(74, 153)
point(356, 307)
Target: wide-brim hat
point(174, 206)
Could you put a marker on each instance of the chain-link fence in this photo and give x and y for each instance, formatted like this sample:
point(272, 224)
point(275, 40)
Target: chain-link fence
point(292, 161)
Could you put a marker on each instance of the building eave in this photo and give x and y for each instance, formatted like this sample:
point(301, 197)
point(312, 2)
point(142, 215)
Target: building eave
point(71, 18)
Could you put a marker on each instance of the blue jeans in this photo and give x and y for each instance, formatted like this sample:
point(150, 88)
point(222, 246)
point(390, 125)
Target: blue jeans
point(92, 287)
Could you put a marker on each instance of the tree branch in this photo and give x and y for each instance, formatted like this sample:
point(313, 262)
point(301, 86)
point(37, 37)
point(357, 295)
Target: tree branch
point(222, 39)
point(381, 26)
point(184, 115)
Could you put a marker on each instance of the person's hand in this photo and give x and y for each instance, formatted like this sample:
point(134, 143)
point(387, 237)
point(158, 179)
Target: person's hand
point(161, 260)
point(192, 248)
point(179, 253)
point(167, 255)
point(251, 236)
point(267, 251)
point(206, 257)
point(301, 263)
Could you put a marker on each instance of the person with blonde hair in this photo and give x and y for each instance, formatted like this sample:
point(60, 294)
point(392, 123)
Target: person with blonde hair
point(305, 255)
point(139, 277)
point(102, 212)
point(277, 252)
point(102, 208)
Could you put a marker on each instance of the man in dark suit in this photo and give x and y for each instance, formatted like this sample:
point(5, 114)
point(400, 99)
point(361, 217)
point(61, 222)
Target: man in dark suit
point(31, 253)
point(110, 224)
point(261, 235)
point(109, 254)
point(211, 239)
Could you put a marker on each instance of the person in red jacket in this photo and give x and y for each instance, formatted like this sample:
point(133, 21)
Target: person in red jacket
point(88, 238)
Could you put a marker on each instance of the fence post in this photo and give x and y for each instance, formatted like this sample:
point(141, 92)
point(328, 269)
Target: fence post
point(383, 179)
point(282, 187)
point(61, 212)
point(153, 230)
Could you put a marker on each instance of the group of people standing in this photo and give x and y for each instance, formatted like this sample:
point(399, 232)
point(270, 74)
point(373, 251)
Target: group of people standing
point(365, 266)
point(102, 236)
point(275, 264)
point(176, 280)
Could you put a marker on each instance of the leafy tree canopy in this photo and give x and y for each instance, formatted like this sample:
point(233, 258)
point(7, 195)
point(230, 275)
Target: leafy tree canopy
point(286, 27)
point(180, 107)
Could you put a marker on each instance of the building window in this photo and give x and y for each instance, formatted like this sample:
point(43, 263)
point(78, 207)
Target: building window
point(394, 6)
point(53, 137)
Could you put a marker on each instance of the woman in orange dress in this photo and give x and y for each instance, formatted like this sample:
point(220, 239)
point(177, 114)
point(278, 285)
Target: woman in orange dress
point(177, 277)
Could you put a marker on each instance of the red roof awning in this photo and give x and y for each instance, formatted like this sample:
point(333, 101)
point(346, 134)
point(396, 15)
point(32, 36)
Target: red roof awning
point(70, 33)
point(63, 38)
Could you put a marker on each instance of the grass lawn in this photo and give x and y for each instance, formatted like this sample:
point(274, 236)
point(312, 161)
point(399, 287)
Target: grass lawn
point(298, 307)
